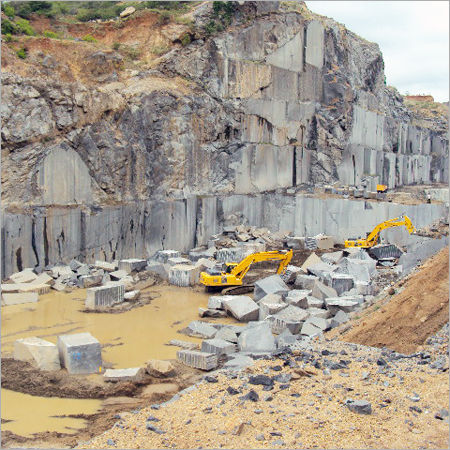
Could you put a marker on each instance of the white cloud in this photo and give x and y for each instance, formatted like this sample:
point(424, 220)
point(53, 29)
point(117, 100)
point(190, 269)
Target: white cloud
point(413, 36)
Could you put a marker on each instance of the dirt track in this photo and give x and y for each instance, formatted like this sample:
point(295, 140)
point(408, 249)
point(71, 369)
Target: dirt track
point(418, 311)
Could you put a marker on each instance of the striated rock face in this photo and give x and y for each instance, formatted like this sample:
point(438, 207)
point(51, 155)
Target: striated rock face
point(281, 99)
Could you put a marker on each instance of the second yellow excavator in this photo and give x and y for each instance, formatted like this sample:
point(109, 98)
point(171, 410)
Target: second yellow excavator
point(232, 274)
point(373, 237)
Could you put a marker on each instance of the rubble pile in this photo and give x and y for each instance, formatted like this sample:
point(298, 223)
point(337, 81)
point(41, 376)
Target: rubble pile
point(319, 296)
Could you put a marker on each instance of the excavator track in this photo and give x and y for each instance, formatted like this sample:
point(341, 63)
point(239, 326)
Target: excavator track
point(238, 290)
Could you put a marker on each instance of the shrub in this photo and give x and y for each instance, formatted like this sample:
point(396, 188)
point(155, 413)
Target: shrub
point(8, 27)
point(223, 11)
point(164, 18)
point(8, 37)
point(89, 38)
point(132, 53)
point(84, 15)
point(186, 40)
point(211, 27)
point(8, 10)
point(116, 46)
point(24, 27)
point(51, 34)
point(22, 53)
point(159, 49)
point(25, 9)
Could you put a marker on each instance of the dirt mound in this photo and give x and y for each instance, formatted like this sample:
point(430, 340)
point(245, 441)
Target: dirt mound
point(411, 316)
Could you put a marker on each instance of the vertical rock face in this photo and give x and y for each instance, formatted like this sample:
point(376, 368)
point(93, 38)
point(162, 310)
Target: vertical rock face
point(280, 99)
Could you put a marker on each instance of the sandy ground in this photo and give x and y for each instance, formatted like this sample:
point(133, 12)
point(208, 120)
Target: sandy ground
point(306, 412)
point(416, 312)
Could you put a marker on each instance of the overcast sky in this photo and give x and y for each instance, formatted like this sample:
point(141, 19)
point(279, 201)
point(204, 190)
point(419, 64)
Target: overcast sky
point(413, 36)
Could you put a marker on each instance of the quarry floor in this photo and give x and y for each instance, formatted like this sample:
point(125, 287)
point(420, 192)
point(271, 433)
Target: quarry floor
point(89, 406)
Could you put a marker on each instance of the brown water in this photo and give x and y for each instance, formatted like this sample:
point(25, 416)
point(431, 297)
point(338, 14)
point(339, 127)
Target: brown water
point(131, 338)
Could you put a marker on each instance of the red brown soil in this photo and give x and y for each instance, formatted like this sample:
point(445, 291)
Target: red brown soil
point(410, 317)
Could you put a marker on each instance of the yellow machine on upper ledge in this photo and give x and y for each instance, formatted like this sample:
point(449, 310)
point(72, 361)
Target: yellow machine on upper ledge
point(373, 237)
point(231, 274)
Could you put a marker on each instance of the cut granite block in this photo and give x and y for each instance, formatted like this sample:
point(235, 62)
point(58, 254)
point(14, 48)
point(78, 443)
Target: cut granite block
point(242, 307)
point(303, 281)
point(227, 334)
point(256, 337)
point(345, 303)
point(322, 270)
point(80, 353)
point(40, 353)
point(184, 275)
point(106, 266)
point(198, 360)
point(200, 329)
point(218, 347)
point(308, 329)
point(25, 276)
point(218, 301)
point(104, 296)
point(298, 297)
point(19, 298)
point(162, 256)
point(178, 260)
point(319, 312)
point(321, 291)
point(132, 265)
point(131, 374)
point(332, 258)
point(291, 318)
point(269, 285)
point(311, 260)
point(341, 282)
point(339, 318)
point(160, 269)
point(196, 254)
point(88, 281)
point(270, 304)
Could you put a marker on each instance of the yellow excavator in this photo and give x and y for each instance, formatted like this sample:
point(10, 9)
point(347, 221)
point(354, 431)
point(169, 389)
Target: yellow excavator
point(373, 237)
point(232, 274)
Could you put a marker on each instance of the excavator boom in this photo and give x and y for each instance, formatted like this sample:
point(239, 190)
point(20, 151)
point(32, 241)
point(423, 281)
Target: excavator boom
point(373, 236)
point(239, 270)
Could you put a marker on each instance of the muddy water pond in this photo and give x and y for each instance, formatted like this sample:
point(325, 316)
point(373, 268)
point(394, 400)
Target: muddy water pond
point(129, 339)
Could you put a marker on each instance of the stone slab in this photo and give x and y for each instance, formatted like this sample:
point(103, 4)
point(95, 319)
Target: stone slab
point(269, 285)
point(242, 308)
point(291, 318)
point(218, 347)
point(162, 256)
point(104, 296)
point(257, 337)
point(198, 360)
point(19, 298)
point(132, 265)
point(80, 353)
point(200, 329)
point(131, 374)
point(25, 276)
point(40, 353)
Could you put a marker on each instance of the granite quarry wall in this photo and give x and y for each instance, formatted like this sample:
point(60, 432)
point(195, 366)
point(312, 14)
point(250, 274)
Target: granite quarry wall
point(283, 100)
point(52, 235)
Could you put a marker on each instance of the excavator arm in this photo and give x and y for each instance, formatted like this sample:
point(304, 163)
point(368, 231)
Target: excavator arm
point(234, 278)
point(373, 236)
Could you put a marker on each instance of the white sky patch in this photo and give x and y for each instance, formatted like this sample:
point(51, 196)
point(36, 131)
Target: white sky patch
point(413, 37)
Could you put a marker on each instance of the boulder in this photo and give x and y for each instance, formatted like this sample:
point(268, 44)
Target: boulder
point(359, 406)
point(332, 258)
point(204, 312)
point(163, 256)
point(319, 322)
point(127, 11)
point(314, 302)
point(218, 346)
point(339, 318)
point(303, 281)
point(321, 291)
point(40, 353)
point(200, 329)
point(257, 337)
point(269, 285)
point(346, 304)
point(311, 260)
point(227, 334)
point(159, 368)
point(270, 304)
point(298, 297)
point(132, 296)
point(341, 282)
point(291, 318)
point(242, 308)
